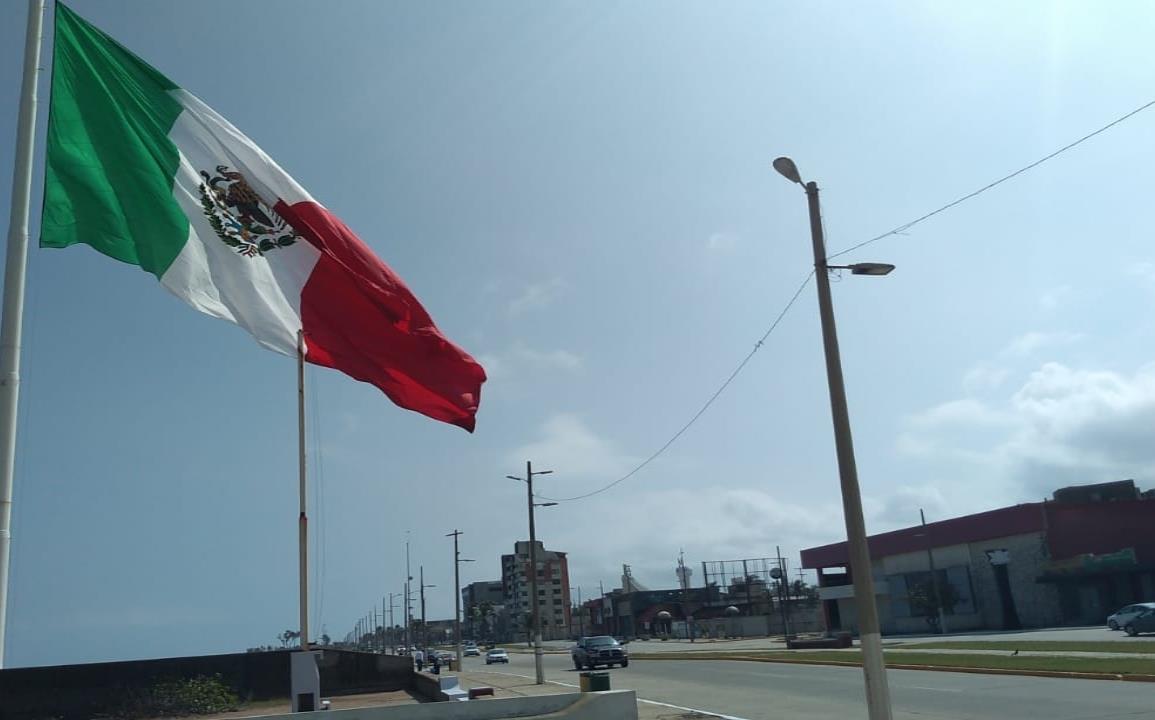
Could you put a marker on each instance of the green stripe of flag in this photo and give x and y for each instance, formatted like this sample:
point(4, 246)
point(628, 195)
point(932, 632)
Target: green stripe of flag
point(110, 165)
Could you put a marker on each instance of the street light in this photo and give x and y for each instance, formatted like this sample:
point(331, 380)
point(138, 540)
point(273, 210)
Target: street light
point(535, 613)
point(424, 627)
point(457, 560)
point(873, 665)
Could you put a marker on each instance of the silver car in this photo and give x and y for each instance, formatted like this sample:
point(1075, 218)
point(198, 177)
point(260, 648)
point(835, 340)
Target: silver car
point(1125, 614)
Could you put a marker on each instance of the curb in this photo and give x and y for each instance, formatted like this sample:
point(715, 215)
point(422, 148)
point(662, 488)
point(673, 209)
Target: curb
point(903, 666)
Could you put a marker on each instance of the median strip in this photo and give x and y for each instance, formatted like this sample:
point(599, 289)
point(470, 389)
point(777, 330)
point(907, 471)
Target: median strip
point(1090, 668)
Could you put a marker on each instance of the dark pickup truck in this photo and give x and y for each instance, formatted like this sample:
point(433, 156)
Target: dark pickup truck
point(599, 650)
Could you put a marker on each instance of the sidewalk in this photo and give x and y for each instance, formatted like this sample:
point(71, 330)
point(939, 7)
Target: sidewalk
point(505, 686)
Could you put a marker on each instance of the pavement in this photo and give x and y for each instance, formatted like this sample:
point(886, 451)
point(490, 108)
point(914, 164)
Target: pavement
point(739, 690)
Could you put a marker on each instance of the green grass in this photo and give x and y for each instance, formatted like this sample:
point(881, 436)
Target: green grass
point(1118, 666)
point(1120, 646)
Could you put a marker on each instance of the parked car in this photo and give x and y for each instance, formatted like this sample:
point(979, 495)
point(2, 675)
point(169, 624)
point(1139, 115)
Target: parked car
point(497, 655)
point(1122, 615)
point(472, 651)
point(589, 652)
point(1144, 622)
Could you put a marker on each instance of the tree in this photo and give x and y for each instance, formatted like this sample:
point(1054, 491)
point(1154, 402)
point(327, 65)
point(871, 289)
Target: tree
point(925, 602)
point(487, 615)
point(287, 637)
point(325, 639)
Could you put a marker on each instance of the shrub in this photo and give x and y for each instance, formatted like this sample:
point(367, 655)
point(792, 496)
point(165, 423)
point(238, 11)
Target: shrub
point(198, 695)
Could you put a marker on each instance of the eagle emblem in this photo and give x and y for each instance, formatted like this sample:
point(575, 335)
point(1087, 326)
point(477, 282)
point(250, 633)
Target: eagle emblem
point(239, 217)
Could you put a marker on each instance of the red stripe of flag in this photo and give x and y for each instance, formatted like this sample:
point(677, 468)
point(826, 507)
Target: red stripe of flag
point(361, 319)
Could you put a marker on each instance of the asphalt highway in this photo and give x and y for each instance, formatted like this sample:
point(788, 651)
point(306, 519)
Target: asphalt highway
point(753, 691)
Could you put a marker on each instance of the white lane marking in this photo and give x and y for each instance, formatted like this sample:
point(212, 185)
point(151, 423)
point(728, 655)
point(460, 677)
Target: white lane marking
point(643, 700)
point(923, 687)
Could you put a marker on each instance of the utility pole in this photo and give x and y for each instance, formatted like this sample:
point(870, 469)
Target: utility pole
point(933, 575)
point(456, 595)
point(424, 628)
point(581, 609)
point(783, 592)
point(535, 614)
point(865, 604)
point(538, 653)
point(408, 596)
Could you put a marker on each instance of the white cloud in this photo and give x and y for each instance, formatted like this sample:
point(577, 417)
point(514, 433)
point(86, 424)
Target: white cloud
point(1052, 298)
point(1143, 269)
point(1063, 426)
point(521, 358)
point(568, 444)
point(1030, 343)
point(720, 242)
point(652, 524)
point(548, 359)
point(537, 295)
point(984, 377)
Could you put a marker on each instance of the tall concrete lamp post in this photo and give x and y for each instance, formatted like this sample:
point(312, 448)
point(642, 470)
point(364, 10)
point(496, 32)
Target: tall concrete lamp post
point(873, 665)
point(535, 612)
point(457, 560)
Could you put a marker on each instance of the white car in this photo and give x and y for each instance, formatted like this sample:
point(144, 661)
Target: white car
point(472, 651)
point(1127, 613)
point(496, 655)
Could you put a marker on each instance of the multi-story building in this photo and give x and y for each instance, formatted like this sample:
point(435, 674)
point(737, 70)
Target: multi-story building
point(553, 592)
point(480, 604)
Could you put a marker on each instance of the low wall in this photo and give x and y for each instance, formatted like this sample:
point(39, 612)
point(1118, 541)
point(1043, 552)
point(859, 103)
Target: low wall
point(65, 692)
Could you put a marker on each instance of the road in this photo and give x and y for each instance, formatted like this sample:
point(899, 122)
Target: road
point(753, 691)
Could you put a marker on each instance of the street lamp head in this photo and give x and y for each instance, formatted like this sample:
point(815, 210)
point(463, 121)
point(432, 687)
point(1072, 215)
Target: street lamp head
point(512, 477)
point(547, 504)
point(787, 169)
point(871, 268)
point(543, 472)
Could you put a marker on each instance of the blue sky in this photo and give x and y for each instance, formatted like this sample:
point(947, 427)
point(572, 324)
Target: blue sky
point(581, 194)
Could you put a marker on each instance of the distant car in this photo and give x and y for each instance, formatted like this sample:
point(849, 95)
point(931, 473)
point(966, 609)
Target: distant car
point(1144, 622)
point(472, 651)
point(496, 655)
point(1122, 615)
point(589, 652)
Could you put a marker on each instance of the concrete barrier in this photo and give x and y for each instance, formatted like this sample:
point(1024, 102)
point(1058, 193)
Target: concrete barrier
point(612, 705)
point(451, 689)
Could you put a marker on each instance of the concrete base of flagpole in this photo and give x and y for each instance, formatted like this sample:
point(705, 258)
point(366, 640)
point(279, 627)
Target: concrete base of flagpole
point(305, 680)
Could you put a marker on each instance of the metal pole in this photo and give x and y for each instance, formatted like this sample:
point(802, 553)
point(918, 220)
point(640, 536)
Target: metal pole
point(457, 596)
point(424, 629)
point(873, 665)
point(783, 593)
point(538, 657)
point(11, 327)
point(933, 575)
point(580, 609)
point(392, 625)
point(408, 593)
point(302, 520)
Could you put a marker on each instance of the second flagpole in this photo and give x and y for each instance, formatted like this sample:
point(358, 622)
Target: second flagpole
point(303, 519)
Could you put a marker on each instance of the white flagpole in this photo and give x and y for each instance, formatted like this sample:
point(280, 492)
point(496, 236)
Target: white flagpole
point(11, 327)
point(303, 521)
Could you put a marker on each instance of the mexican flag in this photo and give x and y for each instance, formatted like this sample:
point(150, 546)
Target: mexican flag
point(144, 172)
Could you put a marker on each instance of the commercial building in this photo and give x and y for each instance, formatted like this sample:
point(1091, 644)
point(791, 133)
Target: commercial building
point(1071, 560)
point(553, 590)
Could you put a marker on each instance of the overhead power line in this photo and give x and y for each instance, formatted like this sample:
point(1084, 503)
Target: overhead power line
point(901, 228)
point(1000, 181)
point(703, 409)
